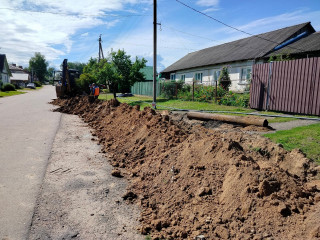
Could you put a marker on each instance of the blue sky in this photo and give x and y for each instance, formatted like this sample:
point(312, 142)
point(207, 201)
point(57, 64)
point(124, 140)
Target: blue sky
point(70, 28)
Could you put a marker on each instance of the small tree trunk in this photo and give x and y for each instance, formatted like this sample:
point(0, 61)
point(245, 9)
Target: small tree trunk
point(114, 94)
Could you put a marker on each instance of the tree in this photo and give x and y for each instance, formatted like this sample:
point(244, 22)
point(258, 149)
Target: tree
point(38, 65)
point(50, 73)
point(119, 72)
point(280, 57)
point(77, 66)
point(224, 79)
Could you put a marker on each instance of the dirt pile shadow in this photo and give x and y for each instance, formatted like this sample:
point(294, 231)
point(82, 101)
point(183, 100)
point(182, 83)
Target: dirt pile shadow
point(190, 180)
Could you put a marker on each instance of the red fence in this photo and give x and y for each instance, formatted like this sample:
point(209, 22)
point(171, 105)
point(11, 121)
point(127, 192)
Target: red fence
point(289, 86)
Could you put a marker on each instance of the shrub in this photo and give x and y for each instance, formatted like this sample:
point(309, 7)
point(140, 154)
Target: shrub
point(201, 93)
point(1, 83)
point(235, 99)
point(37, 83)
point(224, 79)
point(82, 83)
point(8, 87)
point(170, 89)
point(17, 86)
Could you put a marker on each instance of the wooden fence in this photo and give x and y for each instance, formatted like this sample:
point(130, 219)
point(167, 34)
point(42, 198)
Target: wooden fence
point(288, 86)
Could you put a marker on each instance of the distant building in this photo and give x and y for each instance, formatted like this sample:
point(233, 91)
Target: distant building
point(20, 76)
point(204, 66)
point(5, 73)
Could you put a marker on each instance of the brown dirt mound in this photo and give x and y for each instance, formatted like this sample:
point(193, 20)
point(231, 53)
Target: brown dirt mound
point(192, 181)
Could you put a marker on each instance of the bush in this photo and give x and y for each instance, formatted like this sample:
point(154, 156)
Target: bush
point(8, 87)
point(1, 84)
point(224, 79)
point(82, 83)
point(235, 99)
point(201, 93)
point(17, 86)
point(170, 89)
point(37, 83)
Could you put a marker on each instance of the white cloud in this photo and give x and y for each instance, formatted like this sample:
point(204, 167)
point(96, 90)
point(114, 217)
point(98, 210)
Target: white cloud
point(45, 25)
point(207, 3)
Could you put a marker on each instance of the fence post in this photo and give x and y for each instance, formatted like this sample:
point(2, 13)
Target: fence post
point(216, 92)
point(269, 85)
point(192, 89)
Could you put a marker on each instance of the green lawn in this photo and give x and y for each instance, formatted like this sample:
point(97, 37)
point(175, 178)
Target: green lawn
point(10, 93)
point(306, 138)
point(163, 104)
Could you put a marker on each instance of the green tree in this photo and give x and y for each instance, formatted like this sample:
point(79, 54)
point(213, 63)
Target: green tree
point(38, 65)
point(224, 79)
point(50, 72)
point(280, 57)
point(77, 66)
point(119, 72)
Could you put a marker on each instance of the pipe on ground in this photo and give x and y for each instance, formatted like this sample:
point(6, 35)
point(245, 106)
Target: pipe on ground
point(227, 118)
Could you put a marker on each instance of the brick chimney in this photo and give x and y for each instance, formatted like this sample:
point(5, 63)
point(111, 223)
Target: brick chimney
point(20, 67)
point(13, 64)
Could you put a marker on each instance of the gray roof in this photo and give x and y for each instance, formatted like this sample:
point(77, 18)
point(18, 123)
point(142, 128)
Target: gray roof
point(247, 48)
point(2, 59)
point(311, 43)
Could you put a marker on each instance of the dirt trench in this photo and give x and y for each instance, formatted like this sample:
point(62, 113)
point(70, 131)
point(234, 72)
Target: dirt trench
point(189, 180)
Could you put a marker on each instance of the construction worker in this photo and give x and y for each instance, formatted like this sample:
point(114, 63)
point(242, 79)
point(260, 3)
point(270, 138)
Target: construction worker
point(95, 91)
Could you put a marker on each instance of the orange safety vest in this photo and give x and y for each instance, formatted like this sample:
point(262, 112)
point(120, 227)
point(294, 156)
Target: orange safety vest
point(96, 91)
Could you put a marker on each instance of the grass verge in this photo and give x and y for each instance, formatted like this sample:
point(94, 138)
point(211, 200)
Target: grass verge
point(10, 93)
point(306, 138)
point(163, 104)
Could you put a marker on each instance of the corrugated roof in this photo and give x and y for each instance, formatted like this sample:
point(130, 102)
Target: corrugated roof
point(148, 72)
point(243, 49)
point(2, 58)
point(19, 77)
point(310, 43)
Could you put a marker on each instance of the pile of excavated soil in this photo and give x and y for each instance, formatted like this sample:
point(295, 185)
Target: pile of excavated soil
point(191, 181)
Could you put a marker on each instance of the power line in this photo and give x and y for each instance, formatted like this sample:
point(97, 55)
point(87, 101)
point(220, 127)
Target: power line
point(227, 25)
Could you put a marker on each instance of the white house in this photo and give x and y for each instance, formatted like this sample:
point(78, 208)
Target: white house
point(5, 73)
point(19, 75)
point(204, 66)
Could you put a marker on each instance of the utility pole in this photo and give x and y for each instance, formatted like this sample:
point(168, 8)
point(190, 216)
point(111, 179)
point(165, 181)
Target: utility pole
point(100, 49)
point(154, 103)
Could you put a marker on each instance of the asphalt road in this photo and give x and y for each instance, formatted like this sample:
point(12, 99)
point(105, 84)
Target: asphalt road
point(27, 130)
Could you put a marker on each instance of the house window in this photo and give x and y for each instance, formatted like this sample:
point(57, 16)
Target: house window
point(216, 75)
point(245, 74)
point(172, 76)
point(183, 77)
point(198, 77)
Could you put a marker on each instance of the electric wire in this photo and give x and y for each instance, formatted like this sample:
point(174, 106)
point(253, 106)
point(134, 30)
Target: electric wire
point(229, 26)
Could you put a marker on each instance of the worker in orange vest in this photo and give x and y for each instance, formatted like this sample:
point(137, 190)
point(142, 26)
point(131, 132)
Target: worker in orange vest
point(95, 90)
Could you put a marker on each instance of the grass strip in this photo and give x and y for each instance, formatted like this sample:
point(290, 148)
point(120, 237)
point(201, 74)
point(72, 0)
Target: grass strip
point(10, 93)
point(306, 138)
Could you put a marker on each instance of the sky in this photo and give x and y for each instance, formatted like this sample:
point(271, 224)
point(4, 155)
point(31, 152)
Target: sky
point(70, 29)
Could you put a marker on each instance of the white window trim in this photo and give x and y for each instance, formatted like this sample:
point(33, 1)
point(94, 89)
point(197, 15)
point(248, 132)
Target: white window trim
point(172, 76)
point(196, 76)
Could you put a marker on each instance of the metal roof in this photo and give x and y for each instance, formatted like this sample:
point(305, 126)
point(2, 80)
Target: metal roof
point(311, 43)
point(20, 77)
point(247, 48)
point(2, 58)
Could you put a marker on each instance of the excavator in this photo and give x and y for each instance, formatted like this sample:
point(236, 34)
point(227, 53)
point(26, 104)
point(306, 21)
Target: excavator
point(67, 84)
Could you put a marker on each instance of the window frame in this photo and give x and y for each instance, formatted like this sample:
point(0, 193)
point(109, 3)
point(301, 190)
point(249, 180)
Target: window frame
point(245, 74)
point(172, 76)
point(200, 75)
point(183, 77)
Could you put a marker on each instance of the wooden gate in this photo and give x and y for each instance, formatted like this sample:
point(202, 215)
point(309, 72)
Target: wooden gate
point(288, 86)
